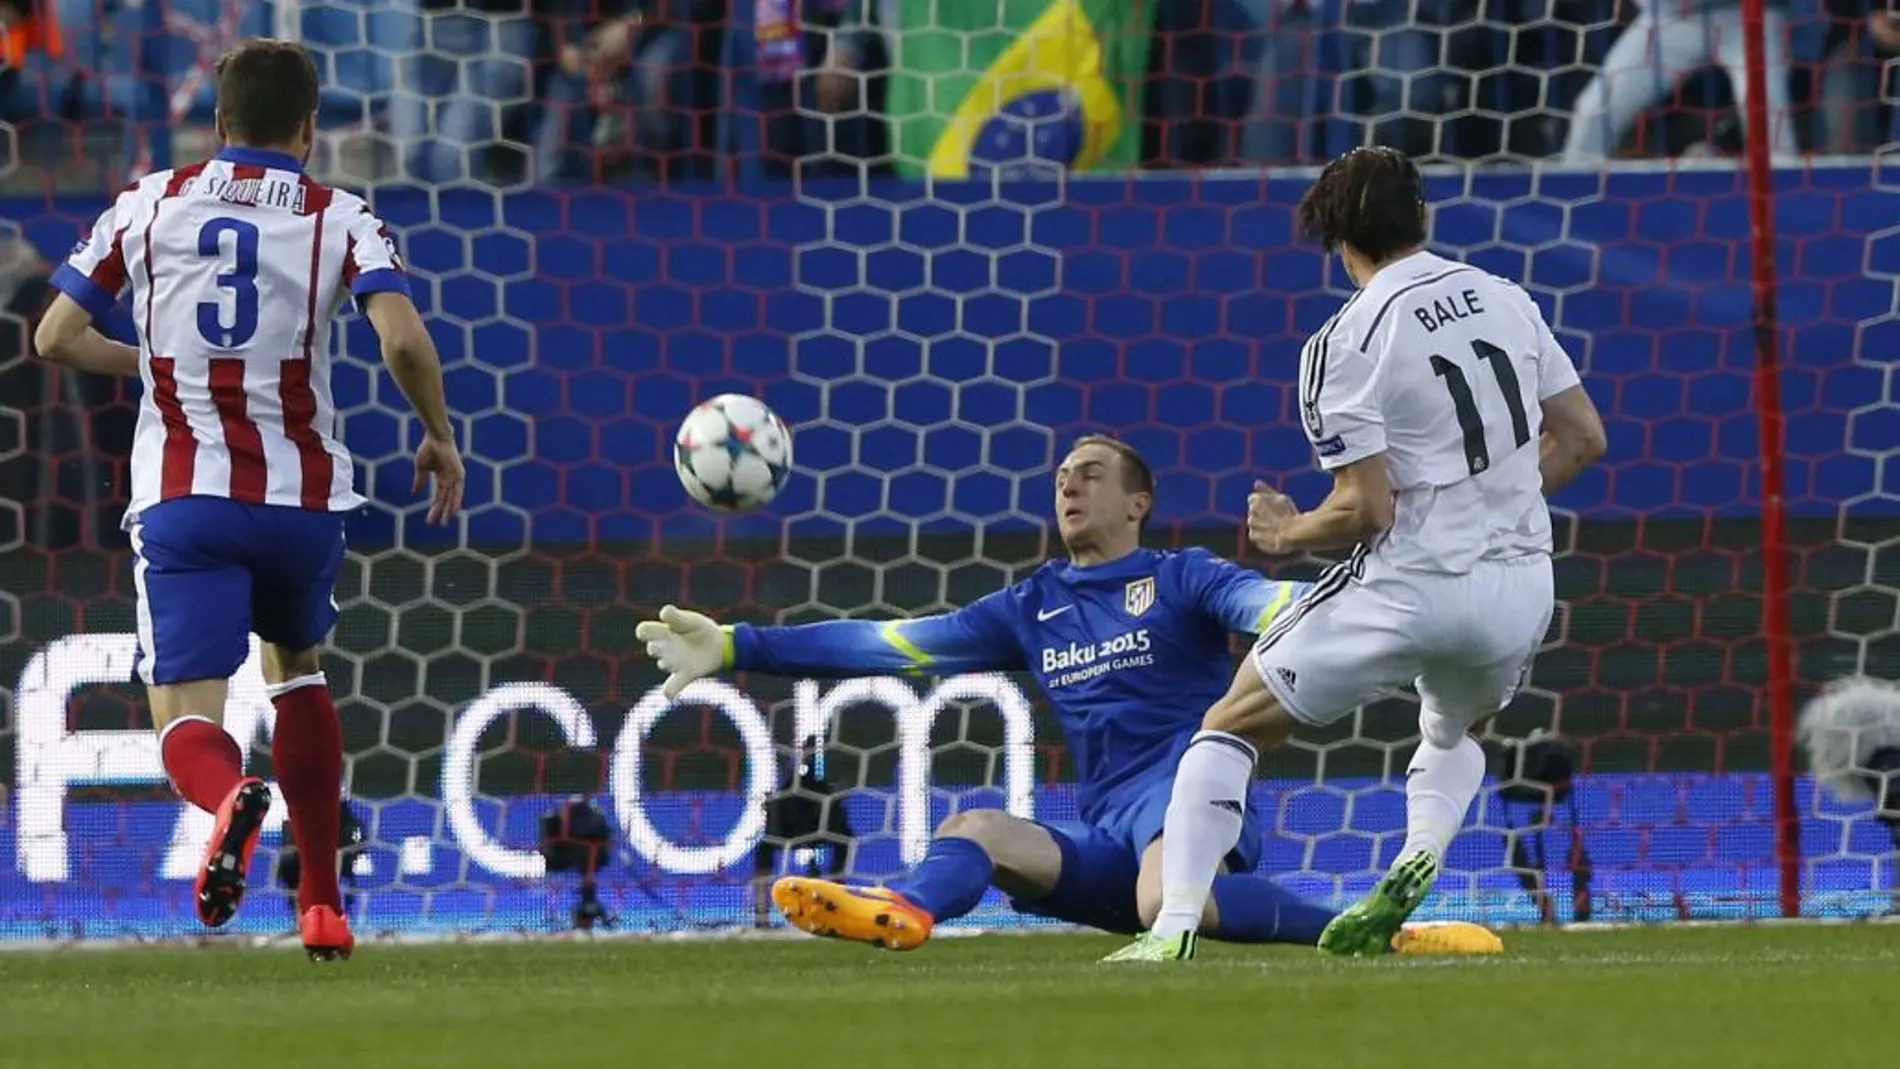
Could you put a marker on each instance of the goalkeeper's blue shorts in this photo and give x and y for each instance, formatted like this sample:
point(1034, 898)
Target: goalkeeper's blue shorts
point(1101, 861)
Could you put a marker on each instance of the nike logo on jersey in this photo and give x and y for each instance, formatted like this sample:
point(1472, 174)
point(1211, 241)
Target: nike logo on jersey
point(1045, 615)
point(1230, 805)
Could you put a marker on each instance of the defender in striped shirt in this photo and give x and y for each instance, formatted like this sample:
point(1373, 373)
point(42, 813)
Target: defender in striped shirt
point(235, 269)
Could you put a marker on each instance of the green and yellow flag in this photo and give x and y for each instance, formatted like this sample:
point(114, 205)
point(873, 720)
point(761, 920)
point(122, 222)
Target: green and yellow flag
point(1017, 84)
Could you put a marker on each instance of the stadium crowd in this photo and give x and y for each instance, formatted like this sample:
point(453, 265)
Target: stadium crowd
point(617, 90)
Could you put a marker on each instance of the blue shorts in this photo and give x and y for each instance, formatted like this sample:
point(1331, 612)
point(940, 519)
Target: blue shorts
point(210, 571)
point(1101, 861)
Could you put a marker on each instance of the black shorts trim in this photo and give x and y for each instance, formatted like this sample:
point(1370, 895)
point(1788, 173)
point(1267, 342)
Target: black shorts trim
point(1330, 583)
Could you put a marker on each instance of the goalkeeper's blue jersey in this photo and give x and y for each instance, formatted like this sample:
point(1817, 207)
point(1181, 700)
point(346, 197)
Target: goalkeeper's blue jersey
point(1130, 653)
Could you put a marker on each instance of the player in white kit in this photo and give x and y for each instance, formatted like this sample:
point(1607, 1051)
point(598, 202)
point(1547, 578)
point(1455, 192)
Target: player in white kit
point(236, 267)
point(1445, 410)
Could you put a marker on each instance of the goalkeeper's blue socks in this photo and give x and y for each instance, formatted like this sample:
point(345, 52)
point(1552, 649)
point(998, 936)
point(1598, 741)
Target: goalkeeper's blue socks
point(949, 881)
point(1254, 909)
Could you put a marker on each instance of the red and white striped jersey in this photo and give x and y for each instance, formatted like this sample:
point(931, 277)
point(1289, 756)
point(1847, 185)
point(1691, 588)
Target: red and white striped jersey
point(236, 267)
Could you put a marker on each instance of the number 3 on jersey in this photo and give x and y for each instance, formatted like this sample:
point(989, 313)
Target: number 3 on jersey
point(239, 275)
point(1470, 422)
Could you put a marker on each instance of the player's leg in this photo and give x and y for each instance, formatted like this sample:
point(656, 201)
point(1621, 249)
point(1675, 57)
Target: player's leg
point(294, 610)
point(1094, 884)
point(1340, 646)
point(972, 851)
point(1505, 609)
point(1207, 810)
point(1441, 781)
point(1641, 67)
point(1137, 827)
point(1250, 907)
point(978, 849)
point(307, 752)
point(193, 635)
point(1242, 906)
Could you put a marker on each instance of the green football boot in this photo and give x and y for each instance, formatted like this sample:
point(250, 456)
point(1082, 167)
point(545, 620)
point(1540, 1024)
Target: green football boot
point(1149, 947)
point(1367, 927)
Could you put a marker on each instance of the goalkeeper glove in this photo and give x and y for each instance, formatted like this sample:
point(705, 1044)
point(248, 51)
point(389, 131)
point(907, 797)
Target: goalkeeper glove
point(686, 645)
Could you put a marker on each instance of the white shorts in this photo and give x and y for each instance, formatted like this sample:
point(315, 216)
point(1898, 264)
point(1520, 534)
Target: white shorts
point(1365, 630)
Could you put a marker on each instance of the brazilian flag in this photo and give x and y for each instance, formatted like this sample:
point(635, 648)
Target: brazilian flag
point(1017, 84)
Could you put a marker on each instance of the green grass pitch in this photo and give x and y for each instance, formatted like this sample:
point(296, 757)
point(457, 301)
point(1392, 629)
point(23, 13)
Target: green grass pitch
point(1682, 998)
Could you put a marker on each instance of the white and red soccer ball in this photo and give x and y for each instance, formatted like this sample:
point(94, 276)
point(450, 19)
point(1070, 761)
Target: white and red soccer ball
point(733, 453)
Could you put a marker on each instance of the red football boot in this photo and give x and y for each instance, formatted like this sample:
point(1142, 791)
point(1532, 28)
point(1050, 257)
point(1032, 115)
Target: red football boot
point(326, 934)
point(220, 886)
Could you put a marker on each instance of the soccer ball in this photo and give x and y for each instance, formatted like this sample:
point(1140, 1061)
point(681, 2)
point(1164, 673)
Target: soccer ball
point(733, 453)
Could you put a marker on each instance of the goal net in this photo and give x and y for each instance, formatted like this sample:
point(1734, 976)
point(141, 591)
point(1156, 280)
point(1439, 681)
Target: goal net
point(605, 235)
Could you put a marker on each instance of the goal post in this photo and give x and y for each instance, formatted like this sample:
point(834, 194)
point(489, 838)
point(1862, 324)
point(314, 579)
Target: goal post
point(1776, 590)
point(935, 344)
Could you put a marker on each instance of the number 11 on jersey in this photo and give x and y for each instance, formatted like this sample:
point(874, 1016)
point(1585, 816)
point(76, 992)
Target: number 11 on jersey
point(1470, 422)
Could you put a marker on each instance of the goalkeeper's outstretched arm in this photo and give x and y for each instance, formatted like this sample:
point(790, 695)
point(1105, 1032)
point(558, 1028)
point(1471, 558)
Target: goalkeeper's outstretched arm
point(978, 637)
point(1243, 600)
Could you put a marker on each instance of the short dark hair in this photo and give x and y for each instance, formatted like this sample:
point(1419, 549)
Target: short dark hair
point(266, 89)
point(1137, 476)
point(1371, 199)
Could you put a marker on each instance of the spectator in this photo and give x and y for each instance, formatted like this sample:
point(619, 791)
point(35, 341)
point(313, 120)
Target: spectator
point(653, 77)
point(28, 34)
point(1661, 45)
point(1411, 68)
point(1846, 98)
point(591, 41)
point(1883, 37)
point(1407, 66)
point(807, 88)
point(466, 60)
point(1280, 125)
point(818, 61)
point(1180, 108)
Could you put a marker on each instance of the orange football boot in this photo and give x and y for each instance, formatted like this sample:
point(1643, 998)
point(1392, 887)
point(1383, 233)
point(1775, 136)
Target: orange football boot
point(861, 914)
point(219, 889)
point(1446, 937)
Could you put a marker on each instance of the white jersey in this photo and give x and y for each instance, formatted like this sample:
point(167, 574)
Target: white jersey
point(236, 267)
point(1441, 367)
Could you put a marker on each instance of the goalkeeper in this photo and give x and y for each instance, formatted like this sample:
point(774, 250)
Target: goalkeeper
point(1130, 645)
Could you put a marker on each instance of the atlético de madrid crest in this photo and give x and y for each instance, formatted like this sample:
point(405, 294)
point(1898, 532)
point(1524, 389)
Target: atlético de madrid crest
point(1139, 596)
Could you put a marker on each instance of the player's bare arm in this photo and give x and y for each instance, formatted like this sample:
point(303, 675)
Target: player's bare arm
point(66, 336)
point(1573, 437)
point(410, 355)
point(1358, 509)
